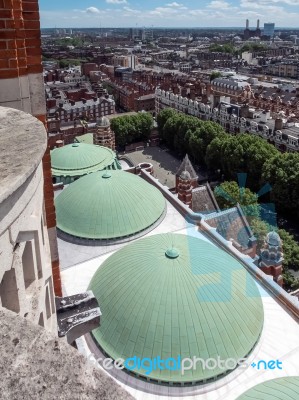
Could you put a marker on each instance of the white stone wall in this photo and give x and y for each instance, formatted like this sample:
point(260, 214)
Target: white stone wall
point(26, 285)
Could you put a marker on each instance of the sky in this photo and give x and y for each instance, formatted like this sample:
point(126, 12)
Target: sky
point(159, 13)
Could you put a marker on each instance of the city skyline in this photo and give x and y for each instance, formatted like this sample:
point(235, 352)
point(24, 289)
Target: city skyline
point(163, 13)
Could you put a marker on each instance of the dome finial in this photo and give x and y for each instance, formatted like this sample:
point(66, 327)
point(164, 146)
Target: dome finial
point(172, 252)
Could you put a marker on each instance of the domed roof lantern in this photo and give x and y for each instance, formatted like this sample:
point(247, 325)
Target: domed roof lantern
point(103, 121)
point(273, 239)
point(185, 175)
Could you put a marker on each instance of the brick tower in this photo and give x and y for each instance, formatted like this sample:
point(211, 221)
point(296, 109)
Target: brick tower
point(104, 136)
point(184, 188)
point(272, 257)
point(186, 166)
point(22, 87)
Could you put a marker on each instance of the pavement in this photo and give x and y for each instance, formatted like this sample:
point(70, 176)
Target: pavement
point(164, 163)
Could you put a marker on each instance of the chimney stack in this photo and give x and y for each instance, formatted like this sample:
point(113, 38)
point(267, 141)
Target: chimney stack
point(278, 124)
point(247, 23)
point(258, 24)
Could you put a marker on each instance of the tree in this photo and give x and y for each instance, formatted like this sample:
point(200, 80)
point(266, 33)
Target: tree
point(162, 118)
point(229, 194)
point(242, 153)
point(289, 281)
point(214, 153)
point(184, 124)
point(282, 172)
point(290, 250)
point(132, 128)
point(260, 230)
point(199, 140)
point(222, 48)
point(187, 134)
point(214, 75)
point(169, 129)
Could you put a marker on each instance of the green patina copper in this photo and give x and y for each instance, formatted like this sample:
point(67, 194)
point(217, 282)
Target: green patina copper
point(149, 297)
point(276, 389)
point(78, 159)
point(108, 205)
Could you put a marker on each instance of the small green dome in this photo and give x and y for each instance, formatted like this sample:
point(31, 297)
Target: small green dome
point(192, 305)
point(172, 252)
point(281, 389)
point(273, 239)
point(78, 159)
point(108, 205)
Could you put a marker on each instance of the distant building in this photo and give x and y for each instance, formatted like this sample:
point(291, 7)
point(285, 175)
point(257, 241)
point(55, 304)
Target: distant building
point(269, 28)
point(241, 118)
point(254, 33)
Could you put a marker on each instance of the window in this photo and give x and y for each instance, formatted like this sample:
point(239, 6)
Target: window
point(47, 303)
point(41, 320)
point(9, 291)
point(28, 264)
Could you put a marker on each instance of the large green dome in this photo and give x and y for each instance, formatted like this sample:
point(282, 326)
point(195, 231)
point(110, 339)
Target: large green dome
point(276, 389)
point(75, 160)
point(108, 205)
point(169, 295)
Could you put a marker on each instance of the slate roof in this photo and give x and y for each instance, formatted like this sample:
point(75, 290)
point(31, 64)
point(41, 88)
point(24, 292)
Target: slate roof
point(203, 200)
point(232, 224)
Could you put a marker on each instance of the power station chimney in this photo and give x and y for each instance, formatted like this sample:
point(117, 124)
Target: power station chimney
point(247, 23)
point(258, 24)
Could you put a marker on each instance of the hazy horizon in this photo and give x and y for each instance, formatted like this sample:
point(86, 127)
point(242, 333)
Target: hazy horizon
point(159, 13)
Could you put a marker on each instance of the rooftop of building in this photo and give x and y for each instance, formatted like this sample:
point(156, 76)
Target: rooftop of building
point(86, 138)
point(187, 166)
point(278, 340)
point(67, 105)
point(232, 224)
point(147, 97)
point(169, 275)
point(203, 200)
point(281, 388)
point(79, 159)
point(19, 157)
point(111, 205)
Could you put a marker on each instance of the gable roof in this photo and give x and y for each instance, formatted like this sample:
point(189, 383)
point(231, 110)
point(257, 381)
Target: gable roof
point(187, 166)
point(203, 200)
point(232, 224)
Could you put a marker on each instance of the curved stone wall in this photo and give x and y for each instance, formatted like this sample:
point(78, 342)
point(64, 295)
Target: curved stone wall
point(26, 285)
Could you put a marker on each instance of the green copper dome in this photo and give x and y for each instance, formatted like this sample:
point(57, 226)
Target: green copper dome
point(78, 159)
point(276, 389)
point(108, 205)
point(199, 301)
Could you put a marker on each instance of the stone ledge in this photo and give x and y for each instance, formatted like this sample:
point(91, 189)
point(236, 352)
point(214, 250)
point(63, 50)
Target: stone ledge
point(23, 141)
point(36, 365)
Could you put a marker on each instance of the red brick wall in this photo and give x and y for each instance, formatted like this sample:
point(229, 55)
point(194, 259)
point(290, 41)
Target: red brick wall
point(20, 55)
point(20, 42)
